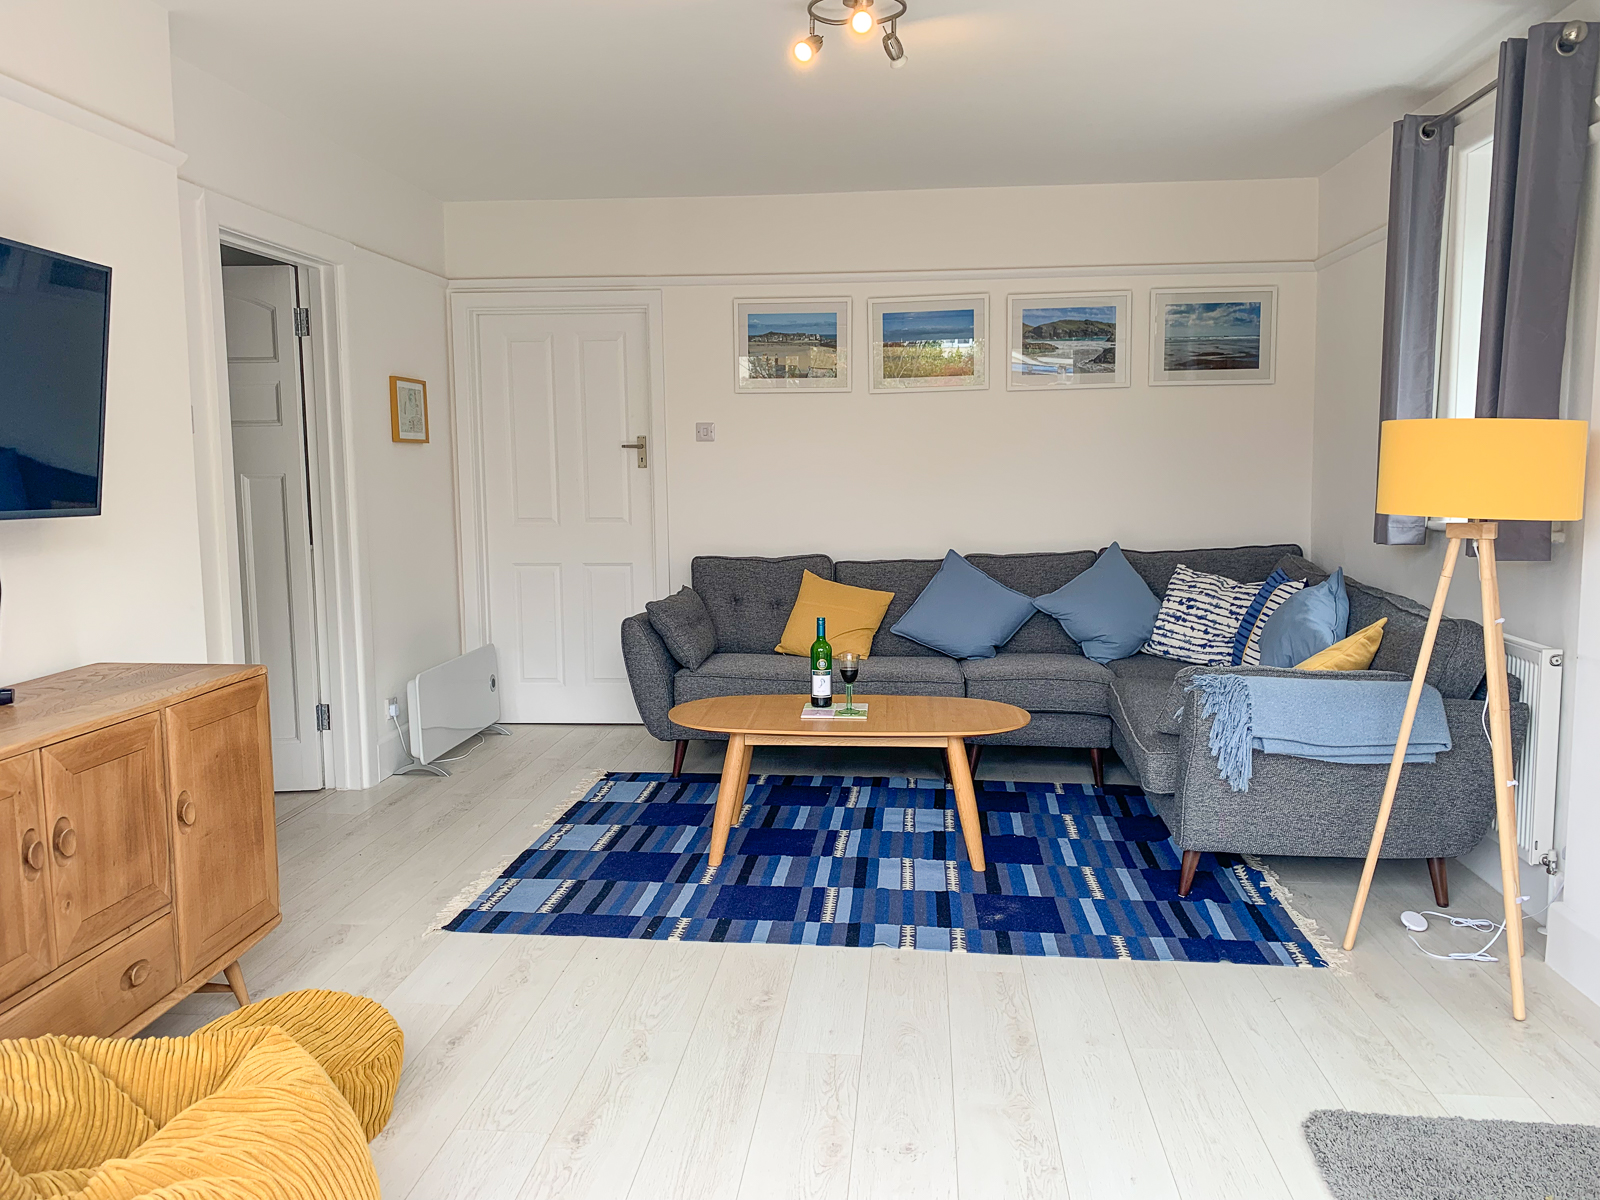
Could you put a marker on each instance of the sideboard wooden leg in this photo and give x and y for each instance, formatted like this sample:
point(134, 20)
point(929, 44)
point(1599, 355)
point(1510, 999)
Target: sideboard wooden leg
point(235, 978)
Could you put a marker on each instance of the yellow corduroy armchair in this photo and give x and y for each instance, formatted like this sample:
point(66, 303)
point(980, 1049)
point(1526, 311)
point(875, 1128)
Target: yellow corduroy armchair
point(274, 1102)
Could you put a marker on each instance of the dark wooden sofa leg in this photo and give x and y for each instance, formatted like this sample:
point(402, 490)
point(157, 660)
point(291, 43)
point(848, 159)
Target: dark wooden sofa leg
point(1191, 860)
point(974, 757)
point(1441, 882)
point(1097, 760)
point(677, 756)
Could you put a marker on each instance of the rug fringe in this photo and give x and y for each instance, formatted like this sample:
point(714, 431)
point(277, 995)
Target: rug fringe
point(1332, 953)
point(480, 885)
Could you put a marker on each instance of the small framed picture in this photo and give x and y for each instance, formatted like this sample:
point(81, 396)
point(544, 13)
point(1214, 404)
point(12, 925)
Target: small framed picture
point(1071, 341)
point(1210, 335)
point(930, 343)
point(792, 345)
point(408, 409)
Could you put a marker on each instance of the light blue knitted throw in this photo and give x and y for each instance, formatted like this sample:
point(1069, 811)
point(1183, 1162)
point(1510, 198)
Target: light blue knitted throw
point(1326, 719)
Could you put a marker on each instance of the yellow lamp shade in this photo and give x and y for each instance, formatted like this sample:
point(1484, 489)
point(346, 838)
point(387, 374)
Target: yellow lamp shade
point(1483, 469)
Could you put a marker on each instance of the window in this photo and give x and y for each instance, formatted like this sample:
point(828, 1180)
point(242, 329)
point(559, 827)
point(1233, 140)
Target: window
point(1466, 242)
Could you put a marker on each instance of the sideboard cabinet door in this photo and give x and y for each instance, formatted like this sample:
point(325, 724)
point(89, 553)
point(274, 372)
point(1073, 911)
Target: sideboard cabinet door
point(105, 808)
point(25, 942)
point(225, 846)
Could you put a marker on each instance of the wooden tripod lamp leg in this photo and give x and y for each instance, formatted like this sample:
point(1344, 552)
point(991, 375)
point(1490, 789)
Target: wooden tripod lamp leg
point(1424, 656)
point(1505, 794)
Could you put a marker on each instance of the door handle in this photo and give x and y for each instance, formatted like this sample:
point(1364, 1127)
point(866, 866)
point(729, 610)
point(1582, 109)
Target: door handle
point(66, 838)
point(33, 850)
point(186, 810)
point(638, 445)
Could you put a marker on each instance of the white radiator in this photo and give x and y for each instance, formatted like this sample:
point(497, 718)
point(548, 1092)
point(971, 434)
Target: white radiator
point(1539, 669)
point(448, 704)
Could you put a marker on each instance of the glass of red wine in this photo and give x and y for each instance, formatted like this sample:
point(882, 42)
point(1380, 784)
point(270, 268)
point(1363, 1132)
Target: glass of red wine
point(849, 667)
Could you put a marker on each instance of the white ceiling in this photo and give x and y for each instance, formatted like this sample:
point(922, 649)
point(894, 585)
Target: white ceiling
point(526, 99)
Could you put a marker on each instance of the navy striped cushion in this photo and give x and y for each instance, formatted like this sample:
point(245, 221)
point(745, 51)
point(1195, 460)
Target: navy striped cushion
point(1201, 615)
point(1277, 588)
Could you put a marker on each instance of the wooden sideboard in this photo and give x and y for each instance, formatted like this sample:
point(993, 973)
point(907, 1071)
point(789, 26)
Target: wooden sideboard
point(138, 851)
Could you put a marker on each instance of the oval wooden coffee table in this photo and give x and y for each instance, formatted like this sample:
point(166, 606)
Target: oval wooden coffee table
point(943, 722)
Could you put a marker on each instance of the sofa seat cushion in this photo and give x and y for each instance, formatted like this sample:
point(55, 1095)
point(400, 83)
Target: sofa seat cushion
point(777, 674)
point(1138, 709)
point(1146, 666)
point(1063, 683)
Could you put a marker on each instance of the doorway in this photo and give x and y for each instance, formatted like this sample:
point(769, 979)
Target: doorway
point(561, 477)
point(265, 326)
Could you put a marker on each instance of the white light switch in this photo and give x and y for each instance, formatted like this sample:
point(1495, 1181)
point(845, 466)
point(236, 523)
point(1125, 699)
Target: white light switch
point(705, 431)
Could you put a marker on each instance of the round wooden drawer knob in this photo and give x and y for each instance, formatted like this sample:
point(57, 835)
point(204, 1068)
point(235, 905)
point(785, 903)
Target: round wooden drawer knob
point(66, 838)
point(138, 973)
point(186, 810)
point(33, 850)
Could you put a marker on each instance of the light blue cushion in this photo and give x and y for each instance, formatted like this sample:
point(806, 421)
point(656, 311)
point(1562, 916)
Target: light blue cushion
point(1307, 623)
point(1108, 610)
point(963, 612)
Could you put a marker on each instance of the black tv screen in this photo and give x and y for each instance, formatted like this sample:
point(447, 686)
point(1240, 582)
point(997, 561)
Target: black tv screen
point(55, 313)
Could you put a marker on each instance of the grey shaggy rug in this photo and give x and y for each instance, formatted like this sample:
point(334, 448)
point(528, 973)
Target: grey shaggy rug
point(1373, 1156)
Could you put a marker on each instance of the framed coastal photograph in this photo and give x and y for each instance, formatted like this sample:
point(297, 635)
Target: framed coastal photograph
point(1071, 341)
point(930, 343)
point(408, 409)
point(792, 345)
point(1208, 335)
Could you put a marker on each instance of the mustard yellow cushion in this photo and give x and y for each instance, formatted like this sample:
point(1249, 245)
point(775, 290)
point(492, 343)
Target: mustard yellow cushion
point(241, 1112)
point(853, 614)
point(1355, 653)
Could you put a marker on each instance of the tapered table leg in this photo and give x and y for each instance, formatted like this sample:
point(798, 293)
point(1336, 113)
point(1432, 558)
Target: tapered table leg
point(735, 767)
point(966, 802)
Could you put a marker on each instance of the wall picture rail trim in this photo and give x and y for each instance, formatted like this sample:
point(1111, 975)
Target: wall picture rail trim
point(829, 278)
point(42, 101)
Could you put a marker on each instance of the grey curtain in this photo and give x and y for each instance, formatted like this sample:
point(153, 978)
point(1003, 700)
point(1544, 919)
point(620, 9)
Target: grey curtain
point(1418, 178)
point(1541, 144)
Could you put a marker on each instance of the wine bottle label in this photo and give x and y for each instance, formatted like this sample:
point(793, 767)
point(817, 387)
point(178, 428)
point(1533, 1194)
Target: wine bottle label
point(821, 683)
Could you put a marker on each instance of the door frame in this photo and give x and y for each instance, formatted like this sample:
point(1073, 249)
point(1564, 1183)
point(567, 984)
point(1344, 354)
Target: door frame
point(469, 304)
point(208, 222)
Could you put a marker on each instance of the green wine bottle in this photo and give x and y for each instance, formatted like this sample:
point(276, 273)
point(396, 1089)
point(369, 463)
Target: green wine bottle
point(821, 667)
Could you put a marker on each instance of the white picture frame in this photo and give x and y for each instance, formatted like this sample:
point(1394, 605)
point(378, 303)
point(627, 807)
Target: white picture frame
point(1213, 335)
point(905, 336)
point(1076, 358)
point(778, 344)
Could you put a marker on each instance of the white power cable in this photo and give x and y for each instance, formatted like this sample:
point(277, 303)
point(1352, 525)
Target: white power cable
point(407, 748)
point(1481, 924)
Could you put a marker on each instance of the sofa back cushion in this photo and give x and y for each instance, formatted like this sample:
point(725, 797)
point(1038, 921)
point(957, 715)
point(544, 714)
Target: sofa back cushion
point(750, 598)
point(905, 577)
point(1036, 575)
point(1245, 564)
point(1456, 667)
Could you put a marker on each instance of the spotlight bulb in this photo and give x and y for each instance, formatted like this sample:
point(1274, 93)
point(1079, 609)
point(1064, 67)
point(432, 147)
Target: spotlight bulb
point(893, 48)
point(806, 48)
point(862, 22)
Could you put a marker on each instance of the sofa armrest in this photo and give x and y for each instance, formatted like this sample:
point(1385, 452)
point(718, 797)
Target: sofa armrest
point(1308, 807)
point(651, 668)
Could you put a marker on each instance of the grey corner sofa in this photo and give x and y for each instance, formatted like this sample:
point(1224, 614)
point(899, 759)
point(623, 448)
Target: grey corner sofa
point(1293, 806)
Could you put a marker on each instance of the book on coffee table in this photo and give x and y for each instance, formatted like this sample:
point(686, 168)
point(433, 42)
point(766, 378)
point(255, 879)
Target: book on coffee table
point(811, 714)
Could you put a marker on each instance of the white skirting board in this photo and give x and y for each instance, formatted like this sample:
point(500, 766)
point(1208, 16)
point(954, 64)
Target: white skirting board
point(449, 703)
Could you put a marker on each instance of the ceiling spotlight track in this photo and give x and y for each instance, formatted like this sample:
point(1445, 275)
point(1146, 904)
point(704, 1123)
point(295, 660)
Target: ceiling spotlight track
point(858, 16)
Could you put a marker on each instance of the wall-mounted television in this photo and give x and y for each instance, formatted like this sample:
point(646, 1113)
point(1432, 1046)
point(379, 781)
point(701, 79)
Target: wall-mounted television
point(55, 315)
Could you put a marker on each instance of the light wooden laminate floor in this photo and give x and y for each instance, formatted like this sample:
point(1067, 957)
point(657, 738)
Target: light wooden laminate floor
point(576, 1067)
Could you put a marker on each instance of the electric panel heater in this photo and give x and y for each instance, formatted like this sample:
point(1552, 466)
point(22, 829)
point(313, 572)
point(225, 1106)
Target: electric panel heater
point(449, 703)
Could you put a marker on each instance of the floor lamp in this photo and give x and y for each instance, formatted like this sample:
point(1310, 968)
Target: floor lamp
point(1512, 470)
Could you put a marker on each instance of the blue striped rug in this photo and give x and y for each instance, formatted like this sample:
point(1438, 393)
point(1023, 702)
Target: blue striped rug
point(857, 861)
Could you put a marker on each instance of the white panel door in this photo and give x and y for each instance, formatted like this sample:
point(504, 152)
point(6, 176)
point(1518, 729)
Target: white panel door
point(269, 460)
point(568, 510)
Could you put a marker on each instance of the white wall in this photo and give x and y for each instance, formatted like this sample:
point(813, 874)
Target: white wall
point(124, 585)
point(988, 470)
point(261, 177)
point(239, 147)
point(1541, 600)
